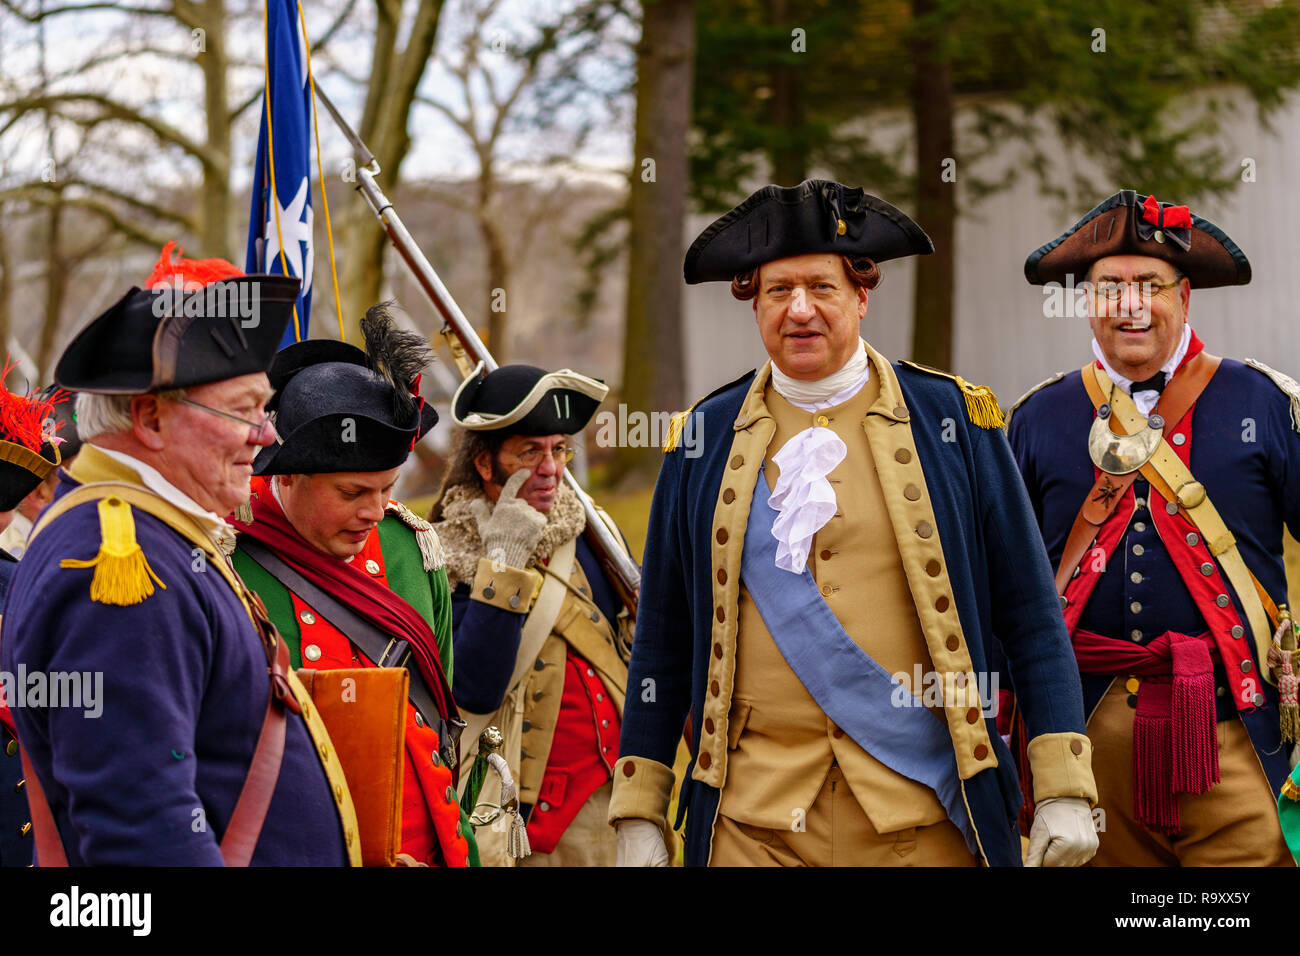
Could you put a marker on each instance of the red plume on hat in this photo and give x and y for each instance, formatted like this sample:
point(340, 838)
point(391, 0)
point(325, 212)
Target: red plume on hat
point(190, 272)
point(23, 418)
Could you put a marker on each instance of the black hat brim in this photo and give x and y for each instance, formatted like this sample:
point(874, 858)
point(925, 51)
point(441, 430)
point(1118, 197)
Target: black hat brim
point(526, 400)
point(319, 446)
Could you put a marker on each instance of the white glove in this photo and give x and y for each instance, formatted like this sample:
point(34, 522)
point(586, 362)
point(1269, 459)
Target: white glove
point(512, 528)
point(640, 843)
point(1063, 833)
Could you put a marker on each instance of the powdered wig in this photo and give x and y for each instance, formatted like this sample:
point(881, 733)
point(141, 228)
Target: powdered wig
point(862, 272)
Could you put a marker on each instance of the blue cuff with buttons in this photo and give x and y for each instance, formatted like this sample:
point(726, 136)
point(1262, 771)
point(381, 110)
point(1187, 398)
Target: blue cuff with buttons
point(504, 587)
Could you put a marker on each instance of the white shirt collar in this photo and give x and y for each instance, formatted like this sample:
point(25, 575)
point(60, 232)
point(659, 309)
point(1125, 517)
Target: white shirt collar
point(1146, 399)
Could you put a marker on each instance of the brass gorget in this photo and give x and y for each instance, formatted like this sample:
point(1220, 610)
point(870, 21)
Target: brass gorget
point(1122, 454)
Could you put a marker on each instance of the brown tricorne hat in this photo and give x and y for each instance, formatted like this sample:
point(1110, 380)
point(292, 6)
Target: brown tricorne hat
point(1129, 223)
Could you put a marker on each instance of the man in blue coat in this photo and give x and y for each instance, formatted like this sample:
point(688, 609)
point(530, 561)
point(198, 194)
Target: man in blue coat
point(830, 557)
point(1162, 476)
point(147, 688)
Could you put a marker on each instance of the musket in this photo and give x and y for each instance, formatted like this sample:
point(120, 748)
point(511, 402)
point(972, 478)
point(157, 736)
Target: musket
point(467, 349)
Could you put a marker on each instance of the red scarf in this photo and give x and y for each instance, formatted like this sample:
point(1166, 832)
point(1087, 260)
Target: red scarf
point(353, 588)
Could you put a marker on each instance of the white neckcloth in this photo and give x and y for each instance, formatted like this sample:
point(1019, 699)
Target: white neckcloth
point(1146, 399)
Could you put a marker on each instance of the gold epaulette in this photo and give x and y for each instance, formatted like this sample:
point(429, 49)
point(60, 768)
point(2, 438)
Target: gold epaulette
point(122, 573)
point(676, 426)
point(981, 404)
point(1286, 383)
point(1051, 380)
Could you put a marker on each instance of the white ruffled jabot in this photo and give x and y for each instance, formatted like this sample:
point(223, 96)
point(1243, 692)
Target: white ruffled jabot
point(803, 496)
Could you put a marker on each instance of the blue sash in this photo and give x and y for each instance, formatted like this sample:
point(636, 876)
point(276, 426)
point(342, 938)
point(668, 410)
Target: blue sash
point(853, 690)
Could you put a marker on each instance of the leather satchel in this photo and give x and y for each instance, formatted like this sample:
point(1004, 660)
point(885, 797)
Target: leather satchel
point(364, 710)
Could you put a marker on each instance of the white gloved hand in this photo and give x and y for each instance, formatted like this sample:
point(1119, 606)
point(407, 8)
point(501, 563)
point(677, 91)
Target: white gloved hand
point(1063, 833)
point(640, 843)
point(511, 529)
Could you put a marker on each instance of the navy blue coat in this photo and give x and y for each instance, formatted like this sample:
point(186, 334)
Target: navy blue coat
point(15, 832)
point(998, 572)
point(1244, 450)
point(152, 779)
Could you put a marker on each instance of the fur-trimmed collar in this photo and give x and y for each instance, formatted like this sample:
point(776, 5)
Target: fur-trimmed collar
point(458, 530)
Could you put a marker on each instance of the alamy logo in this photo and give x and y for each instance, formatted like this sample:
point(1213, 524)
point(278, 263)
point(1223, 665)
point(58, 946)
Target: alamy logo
point(75, 689)
point(74, 908)
point(935, 689)
point(217, 300)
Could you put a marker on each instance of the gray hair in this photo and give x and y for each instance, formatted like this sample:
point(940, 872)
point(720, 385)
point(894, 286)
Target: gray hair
point(110, 414)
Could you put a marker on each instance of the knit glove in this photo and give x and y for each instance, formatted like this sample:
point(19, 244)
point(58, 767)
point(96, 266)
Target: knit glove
point(512, 529)
point(1063, 833)
point(640, 843)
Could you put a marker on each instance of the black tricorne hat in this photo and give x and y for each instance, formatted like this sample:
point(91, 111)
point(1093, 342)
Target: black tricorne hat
point(526, 400)
point(1129, 223)
point(27, 454)
point(168, 338)
point(816, 216)
point(340, 409)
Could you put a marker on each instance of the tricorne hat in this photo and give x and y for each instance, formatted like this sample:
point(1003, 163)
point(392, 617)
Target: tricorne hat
point(195, 322)
point(1129, 223)
point(340, 409)
point(29, 450)
point(526, 400)
point(816, 216)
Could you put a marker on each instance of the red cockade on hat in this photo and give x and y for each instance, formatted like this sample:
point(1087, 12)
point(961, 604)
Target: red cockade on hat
point(1169, 217)
point(189, 272)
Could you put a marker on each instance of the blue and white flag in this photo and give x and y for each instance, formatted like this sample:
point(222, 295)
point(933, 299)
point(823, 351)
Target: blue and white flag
point(290, 131)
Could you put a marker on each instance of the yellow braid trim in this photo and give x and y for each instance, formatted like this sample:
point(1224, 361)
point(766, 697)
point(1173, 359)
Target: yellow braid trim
point(122, 573)
point(675, 427)
point(1291, 790)
point(981, 404)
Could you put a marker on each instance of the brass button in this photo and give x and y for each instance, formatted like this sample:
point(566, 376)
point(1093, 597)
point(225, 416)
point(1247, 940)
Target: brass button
point(722, 575)
point(1139, 526)
point(902, 456)
point(924, 529)
point(826, 554)
point(372, 566)
point(826, 590)
point(933, 567)
point(338, 793)
point(1180, 439)
point(941, 604)
point(311, 652)
point(981, 752)
point(821, 421)
point(1136, 607)
point(1171, 507)
point(1221, 600)
point(629, 768)
point(722, 536)
point(1220, 691)
point(708, 725)
point(419, 719)
point(1135, 577)
point(1246, 666)
point(912, 493)
point(1237, 630)
point(717, 649)
point(11, 748)
point(737, 461)
point(1193, 539)
point(705, 761)
point(952, 643)
point(972, 715)
point(714, 689)
point(1076, 747)
point(728, 496)
point(1135, 634)
point(1132, 684)
point(722, 615)
point(1138, 550)
point(900, 411)
point(307, 617)
point(837, 733)
point(1207, 569)
point(1259, 700)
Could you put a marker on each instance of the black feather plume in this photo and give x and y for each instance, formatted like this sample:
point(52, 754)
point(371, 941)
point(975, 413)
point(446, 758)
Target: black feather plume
point(399, 355)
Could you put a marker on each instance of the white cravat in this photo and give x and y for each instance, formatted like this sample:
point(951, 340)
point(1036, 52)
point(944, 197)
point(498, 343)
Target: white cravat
point(1146, 399)
point(803, 497)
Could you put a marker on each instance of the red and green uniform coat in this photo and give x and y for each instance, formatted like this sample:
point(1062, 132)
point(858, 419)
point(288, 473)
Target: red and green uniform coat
point(433, 828)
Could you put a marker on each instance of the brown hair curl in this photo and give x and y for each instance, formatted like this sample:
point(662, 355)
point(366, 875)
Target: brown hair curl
point(861, 270)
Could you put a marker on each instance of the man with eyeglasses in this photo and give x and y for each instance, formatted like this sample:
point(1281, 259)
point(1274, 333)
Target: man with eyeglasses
point(540, 631)
point(183, 739)
point(1162, 477)
point(348, 573)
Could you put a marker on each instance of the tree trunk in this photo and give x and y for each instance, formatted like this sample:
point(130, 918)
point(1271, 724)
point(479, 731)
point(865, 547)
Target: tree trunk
point(216, 199)
point(653, 373)
point(936, 199)
point(6, 288)
point(394, 80)
point(788, 156)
